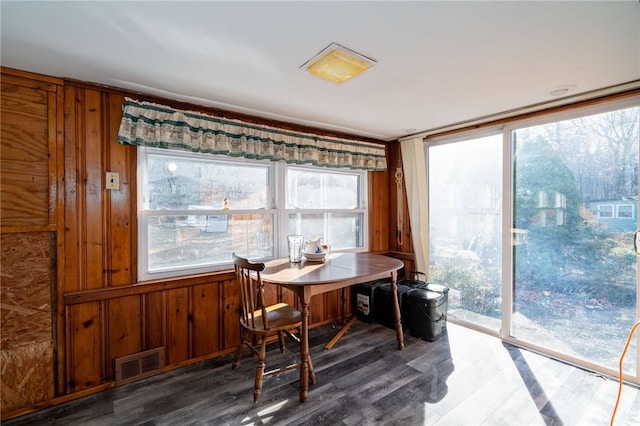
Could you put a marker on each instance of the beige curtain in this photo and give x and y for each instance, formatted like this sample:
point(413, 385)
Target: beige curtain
point(415, 178)
point(148, 124)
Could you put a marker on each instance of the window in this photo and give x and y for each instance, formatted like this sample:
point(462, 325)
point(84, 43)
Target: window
point(625, 211)
point(605, 211)
point(327, 203)
point(195, 210)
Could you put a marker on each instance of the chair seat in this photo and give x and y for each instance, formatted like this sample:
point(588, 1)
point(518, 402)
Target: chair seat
point(279, 316)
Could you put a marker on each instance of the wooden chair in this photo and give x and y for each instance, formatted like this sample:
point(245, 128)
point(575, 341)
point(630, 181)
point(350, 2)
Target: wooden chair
point(259, 321)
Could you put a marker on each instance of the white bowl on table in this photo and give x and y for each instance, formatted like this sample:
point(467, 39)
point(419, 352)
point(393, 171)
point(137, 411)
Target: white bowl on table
point(315, 257)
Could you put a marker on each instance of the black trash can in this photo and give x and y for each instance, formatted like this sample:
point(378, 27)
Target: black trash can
point(383, 309)
point(428, 313)
point(437, 288)
point(363, 299)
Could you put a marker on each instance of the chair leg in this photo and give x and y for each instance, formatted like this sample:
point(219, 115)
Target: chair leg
point(257, 388)
point(281, 341)
point(254, 342)
point(236, 358)
point(312, 375)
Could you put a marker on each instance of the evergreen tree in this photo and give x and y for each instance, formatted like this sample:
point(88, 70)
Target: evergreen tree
point(547, 206)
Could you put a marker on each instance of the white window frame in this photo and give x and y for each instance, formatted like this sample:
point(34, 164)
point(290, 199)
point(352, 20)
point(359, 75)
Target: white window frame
point(625, 217)
point(276, 207)
point(600, 212)
point(144, 213)
point(363, 208)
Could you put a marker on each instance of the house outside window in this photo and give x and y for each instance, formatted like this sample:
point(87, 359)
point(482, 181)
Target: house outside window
point(605, 211)
point(625, 211)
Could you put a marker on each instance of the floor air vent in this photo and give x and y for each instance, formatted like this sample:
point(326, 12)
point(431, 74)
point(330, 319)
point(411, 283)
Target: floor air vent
point(140, 365)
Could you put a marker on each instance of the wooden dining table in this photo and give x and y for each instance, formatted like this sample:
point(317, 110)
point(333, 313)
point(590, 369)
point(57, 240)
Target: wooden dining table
point(338, 271)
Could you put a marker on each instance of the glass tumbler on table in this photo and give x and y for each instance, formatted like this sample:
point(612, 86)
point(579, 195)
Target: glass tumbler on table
point(294, 243)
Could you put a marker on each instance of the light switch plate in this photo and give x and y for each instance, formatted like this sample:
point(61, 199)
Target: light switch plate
point(113, 180)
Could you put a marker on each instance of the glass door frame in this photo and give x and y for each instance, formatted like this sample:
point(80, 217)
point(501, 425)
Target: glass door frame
point(505, 332)
point(452, 139)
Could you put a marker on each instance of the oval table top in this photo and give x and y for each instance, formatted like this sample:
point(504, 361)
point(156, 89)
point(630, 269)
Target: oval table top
point(338, 267)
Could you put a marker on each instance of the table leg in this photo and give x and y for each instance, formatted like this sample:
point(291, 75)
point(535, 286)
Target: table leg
point(304, 351)
point(396, 310)
point(343, 314)
point(343, 320)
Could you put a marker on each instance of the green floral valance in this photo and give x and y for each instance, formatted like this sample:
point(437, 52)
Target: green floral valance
point(148, 124)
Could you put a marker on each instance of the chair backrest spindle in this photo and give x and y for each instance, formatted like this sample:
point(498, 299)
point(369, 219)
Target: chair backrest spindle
point(251, 292)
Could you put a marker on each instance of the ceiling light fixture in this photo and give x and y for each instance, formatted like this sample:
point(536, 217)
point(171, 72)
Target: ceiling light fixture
point(338, 64)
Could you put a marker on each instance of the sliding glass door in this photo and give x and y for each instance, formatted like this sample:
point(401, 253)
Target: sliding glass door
point(465, 217)
point(575, 198)
point(532, 227)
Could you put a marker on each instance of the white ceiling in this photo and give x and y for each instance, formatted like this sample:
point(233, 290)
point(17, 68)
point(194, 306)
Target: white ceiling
point(438, 63)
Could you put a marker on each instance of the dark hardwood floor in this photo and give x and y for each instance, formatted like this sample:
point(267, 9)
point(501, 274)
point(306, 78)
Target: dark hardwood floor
point(465, 378)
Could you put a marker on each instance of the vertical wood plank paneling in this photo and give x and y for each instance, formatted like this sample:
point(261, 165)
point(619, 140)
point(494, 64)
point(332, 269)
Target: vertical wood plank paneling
point(124, 331)
point(121, 215)
point(393, 153)
point(288, 297)
point(107, 225)
point(404, 250)
point(379, 206)
point(206, 314)
point(317, 307)
point(407, 243)
point(271, 293)
point(59, 285)
point(71, 256)
point(332, 305)
point(73, 220)
point(154, 320)
point(230, 302)
point(379, 212)
point(177, 340)
point(84, 363)
point(93, 177)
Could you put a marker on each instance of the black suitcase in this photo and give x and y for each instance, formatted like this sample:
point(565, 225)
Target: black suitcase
point(383, 309)
point(363, 299)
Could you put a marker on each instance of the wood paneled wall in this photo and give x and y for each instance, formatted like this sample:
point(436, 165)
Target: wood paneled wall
point(106, 310)
point(401, 248)
point(99, 310)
